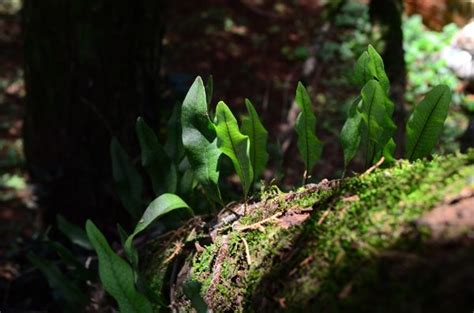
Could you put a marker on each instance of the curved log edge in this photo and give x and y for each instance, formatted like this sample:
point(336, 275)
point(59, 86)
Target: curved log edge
point(394, 240)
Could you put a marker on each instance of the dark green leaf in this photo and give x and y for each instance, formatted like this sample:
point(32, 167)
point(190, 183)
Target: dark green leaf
point(174, 141)
point(209, 90)
point(426, 123)
point(379, 68)
point(258, 136)
point(73, 232)
point(199, 139)
point(128, 182)
point(234, 144)
point(68, 291)
point(370, 66)
point(379, 127)
point(350, 133)
point(192, 291)
point(160, 168)
point(116, 275)
point(309, 145)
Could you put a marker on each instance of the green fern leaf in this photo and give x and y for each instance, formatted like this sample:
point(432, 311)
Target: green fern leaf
point(159, 167)
point(426, 123)
point(309, 146)
point(350, 133)
point(199, 139)
point(128, 182)
point(116, 275)
point(234, 144)
point(258, 136)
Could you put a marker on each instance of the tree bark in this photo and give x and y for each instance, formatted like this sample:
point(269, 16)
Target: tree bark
point(91, 67)
point(387, 16)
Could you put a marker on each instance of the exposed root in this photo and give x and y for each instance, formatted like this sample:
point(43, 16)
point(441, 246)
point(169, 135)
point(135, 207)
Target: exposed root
point(374, 167)
point(258, 225)
point(178, 247)
point(247, 251)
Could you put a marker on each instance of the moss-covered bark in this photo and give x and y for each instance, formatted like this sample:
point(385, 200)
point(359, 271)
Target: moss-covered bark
point(355, 245)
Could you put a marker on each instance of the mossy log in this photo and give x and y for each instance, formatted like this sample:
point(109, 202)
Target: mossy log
point(394, 240)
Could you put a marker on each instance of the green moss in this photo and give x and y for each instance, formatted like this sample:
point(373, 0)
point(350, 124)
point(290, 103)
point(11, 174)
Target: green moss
point(351, 224)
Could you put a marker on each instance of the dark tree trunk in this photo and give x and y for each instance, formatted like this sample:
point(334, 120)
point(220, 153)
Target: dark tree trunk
point(91, 67)
point(387, 15)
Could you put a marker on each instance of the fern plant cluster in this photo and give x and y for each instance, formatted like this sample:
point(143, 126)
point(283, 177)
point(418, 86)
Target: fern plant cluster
point(198, 138)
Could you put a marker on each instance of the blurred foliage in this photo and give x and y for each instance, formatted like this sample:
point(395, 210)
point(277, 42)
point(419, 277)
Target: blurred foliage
point(10, 6)
point(426, 69)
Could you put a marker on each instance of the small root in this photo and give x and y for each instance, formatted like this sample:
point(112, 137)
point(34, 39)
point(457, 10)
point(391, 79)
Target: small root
point(247, 251)
point(258, 225)
point(178, 247)
point(374, 167)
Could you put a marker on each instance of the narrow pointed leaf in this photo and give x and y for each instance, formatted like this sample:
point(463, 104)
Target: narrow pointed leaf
point(174, 141)
point(379, 127)
point(192, 290)
point(128, 182)
point(209, 90)
point(370, 66)
point(379, 68)
point(159, 167)
point(364, 69)
point(160, 206)
point(351, 133)
point(73, 296)
point(258, 136)
point(426, 123)
point(234, 144)
point(116, 275)
point(199, 139)
point(73, 232)
point(309, 146)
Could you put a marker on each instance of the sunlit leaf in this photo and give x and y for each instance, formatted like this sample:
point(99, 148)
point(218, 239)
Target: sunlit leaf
point(200, 140)
point(258, 136)
point(160, 206)
point(234, 144)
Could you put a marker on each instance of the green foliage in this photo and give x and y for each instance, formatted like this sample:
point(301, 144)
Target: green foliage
point(192, 291)
point(116, 275)
point(378, 126)
point(160, 168)
point(258, 136)
point(309, 146)
point(350, 133)
point(425, 70)
point(426, 123)
point(128, 182)
point(160, 206)
point(234, 144)
point(74, 233)
point(199, 139)
point(71, 295)
point(174, 142)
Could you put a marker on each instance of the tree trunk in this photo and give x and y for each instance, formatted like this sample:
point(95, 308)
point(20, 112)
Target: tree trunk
point(387, 16)
point(395, 240)
point(91, 67)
